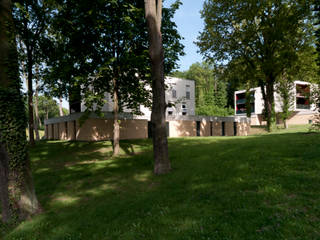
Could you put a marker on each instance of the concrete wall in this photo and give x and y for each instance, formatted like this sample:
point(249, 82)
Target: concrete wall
point(71, 134)
point(243, 129)
point(216, 128)
point(102, 129)
point(229, 129)
point(205, 128)
point(62, 131)
point(133, 129)
point(300, 119)
point(56, 131)
point(181, 128)
point(50, 131)
point(96, 129)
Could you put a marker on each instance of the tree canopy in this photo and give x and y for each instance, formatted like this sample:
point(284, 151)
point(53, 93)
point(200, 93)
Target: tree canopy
point(265, 36)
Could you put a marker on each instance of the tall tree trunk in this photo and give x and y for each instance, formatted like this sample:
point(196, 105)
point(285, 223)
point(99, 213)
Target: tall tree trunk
point(4, 184)
point(36, 110)
point(12, 120)
point(30, 95)
point(153, 12)
point(269, 104)
point(285, 123)
point(116, 126)
point(60, 107)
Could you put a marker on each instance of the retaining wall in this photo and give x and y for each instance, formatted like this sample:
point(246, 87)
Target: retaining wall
point(97, 129)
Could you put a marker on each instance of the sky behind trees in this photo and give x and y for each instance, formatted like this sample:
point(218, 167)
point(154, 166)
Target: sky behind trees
point(189, 25)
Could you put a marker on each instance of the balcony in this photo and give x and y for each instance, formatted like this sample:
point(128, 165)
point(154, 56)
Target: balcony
point(303, 106)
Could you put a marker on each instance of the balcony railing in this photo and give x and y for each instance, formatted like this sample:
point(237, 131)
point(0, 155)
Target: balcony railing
point(303, 106)
point(241, 101)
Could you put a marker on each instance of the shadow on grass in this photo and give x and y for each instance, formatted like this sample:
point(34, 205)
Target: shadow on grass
point(257, 187)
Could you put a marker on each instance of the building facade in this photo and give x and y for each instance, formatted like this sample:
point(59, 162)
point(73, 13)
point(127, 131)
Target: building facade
point(302, 109)
point(180, 97)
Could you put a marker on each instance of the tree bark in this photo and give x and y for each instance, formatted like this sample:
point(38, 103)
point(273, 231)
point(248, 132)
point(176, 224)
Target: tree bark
point(20, 184)
point(60, 107)
point(153, 12)
point(4, 181)
point(116, 126)
point(285, 123)
point(269, 103)
point(36, 110)
point(30, 95)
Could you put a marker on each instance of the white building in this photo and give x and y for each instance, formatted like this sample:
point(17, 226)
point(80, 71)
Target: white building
point(302, 109)
point(180, 97)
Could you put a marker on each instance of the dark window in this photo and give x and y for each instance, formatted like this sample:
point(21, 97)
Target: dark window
point(170, 112)
point(66, 125)
point(223, 125)
point(149, 129)
point(302, 96)
point(187, 95)
point(184, 113)
point(174, 93)
point(235, 128)
point(198, 128)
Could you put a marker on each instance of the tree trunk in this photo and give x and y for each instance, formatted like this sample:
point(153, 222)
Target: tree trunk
point(30, 95)
point(13, 122)
point(4, 181)
point(116, 126)
point(269, 104)
point(60, 107)
point(153, 14)
point(36, 110)
point(285, 123)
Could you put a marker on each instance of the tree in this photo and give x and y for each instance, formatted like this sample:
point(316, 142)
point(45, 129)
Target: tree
point(15, 163)
point(265, 35)
point(211, 95)
point(31, 19)
point(106, 51)
point(153, 14)
point(285, 90)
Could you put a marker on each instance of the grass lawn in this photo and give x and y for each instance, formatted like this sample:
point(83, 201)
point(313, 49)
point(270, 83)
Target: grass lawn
point(255, 187)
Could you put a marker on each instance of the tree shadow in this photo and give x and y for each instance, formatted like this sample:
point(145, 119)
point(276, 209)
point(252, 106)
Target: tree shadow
point(221, 188)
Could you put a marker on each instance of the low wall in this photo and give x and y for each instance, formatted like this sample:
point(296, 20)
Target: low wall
point(97, 129)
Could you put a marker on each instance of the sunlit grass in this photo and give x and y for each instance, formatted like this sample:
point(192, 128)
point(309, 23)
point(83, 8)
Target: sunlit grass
point(255, 187)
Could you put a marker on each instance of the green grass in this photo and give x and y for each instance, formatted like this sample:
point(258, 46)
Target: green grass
point(255, 187)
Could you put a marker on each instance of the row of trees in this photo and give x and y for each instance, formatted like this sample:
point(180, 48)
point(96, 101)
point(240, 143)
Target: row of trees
point(259, 42)
point(88, 47)
point(211, 89)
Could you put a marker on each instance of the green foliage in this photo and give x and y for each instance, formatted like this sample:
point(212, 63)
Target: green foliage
point(95, 42)
point(212, 110)
point(48, 108)
point(285, 89)
point(12, 126)
point(12, 112)
point(265, 37)
point(211, 89)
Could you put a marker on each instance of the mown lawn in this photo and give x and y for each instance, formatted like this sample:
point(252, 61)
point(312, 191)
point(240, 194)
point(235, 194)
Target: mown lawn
point(256, 187)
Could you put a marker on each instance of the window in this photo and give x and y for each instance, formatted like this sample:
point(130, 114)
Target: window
point(188, 95)
point(184, 109)
point(174, 93)
point(302, 96)
point(170, 112)
point(188, 92)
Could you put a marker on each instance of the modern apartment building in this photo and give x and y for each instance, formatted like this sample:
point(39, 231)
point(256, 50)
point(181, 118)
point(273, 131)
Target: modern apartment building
point(180, 97)
point(302, 109)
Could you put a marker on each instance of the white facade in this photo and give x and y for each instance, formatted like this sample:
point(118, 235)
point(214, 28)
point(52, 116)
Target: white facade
point(180, 95)
point(300, 103)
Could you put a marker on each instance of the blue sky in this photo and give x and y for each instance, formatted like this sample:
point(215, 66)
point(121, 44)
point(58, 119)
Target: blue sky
point(189, 25)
